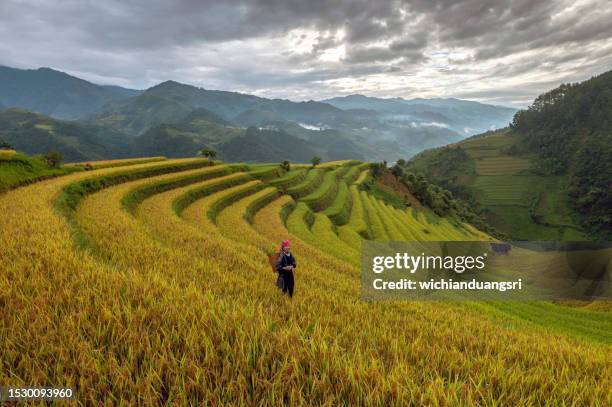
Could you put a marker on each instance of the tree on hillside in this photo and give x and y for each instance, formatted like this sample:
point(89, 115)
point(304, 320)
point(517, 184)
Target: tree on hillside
point(377, 169)
point(397, 170)
point(54, 159)
point(286, 165)
point(208, 153)
point(4, 145)
point(316, 160)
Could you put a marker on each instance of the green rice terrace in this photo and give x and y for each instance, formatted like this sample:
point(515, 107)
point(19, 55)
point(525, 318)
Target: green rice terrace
point(517, 199)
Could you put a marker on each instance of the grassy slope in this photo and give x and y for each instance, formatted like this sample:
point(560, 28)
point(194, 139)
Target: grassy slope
point(383, 192)
point(18, 169)
point(505, 186)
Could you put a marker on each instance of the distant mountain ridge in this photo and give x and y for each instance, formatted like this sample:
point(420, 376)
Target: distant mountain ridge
point(55, 93)
point(175, 99)
point(463, 116)
point(161, 118)
point(383, 129)
point(34, 133)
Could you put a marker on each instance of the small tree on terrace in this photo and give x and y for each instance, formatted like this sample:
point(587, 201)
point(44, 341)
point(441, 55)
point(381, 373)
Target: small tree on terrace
point(286, 165)
point(316, 160)
point(54, 159)
point(208, 153)
point(378, 169)
point(4, 145)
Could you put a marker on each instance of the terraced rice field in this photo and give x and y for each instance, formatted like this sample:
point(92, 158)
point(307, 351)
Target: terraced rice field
point(489, 157)
point(490, 142)
point(117, 163)
point(501, 165)
point(6, 154)
point(149, 283)
point(506, 190)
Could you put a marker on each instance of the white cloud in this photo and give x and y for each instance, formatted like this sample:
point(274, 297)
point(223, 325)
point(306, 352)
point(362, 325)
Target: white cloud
point(507, 54)
point(430, 124)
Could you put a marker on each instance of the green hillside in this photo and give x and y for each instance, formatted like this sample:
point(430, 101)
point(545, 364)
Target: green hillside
point(200, 128)
point(570, 130)
point(547, 176)
point(135, 115)
point(266, 146)
point(35, 133)
point(18, 169)
point(513, 196)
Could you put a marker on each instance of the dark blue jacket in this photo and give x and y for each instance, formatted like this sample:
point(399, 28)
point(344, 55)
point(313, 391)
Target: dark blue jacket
point(285, 260)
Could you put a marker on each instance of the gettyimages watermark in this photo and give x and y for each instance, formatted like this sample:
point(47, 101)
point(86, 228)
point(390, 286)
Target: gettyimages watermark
point(471, 271)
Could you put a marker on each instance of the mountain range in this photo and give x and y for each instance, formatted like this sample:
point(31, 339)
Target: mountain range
point(462, 116)
point(176, 119)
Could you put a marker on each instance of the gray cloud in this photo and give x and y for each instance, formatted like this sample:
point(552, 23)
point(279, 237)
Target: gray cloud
point(480, 49)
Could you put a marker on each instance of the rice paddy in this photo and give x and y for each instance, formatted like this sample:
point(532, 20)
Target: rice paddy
point(6, 154)
point(116, 163)
point(149, 283)
point(517, 199)
point(501, 165)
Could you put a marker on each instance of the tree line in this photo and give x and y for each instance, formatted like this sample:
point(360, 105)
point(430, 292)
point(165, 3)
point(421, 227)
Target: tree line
point(440, 200)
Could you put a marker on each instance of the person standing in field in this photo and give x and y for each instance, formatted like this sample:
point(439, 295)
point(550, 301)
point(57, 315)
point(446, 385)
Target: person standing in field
point(285, 264)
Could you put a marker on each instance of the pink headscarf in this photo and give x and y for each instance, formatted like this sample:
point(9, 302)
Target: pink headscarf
point(285, 243)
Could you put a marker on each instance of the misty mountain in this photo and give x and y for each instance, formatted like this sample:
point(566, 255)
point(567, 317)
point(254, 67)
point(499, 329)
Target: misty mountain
point(267, 146)
point(173, 119)
point(34, 133)
point(257, 117)
point(136, 115)
point(462, 116)
point(376, 128)
point(171, 102)
point(274, 142)
point(229, 105)
point(330, 144)
point(200, 128)
point(55, 93)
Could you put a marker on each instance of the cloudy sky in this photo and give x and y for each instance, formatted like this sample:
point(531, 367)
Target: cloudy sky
point(495, 51)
